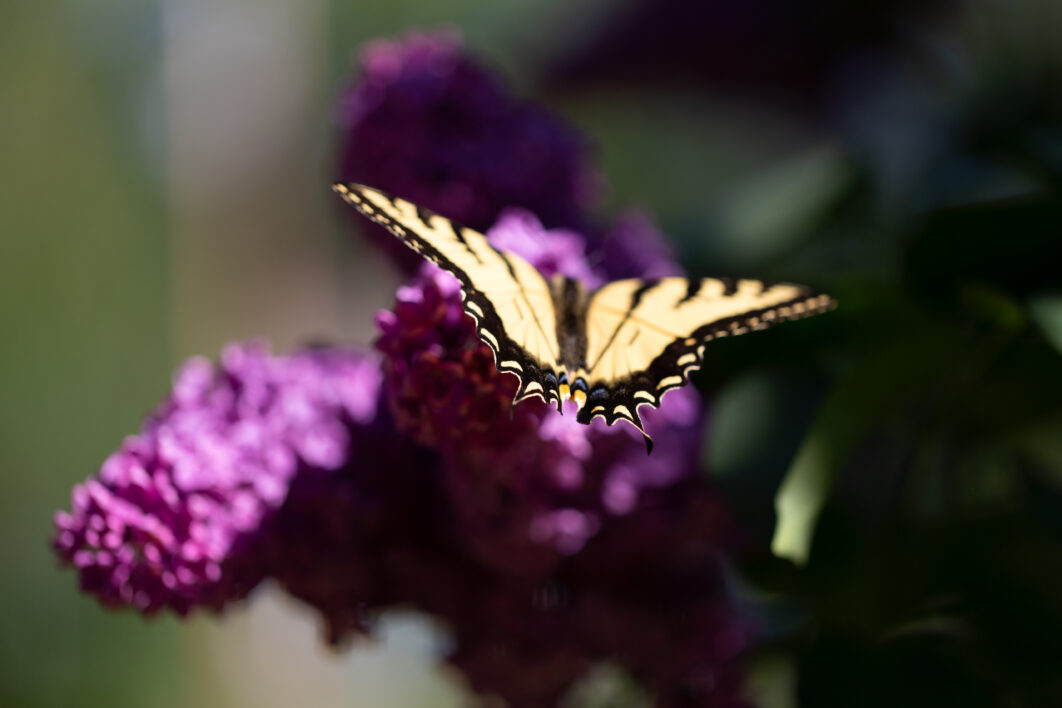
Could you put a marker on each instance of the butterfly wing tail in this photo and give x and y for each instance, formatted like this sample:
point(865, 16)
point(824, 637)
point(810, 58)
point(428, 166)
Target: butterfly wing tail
point(636, 421)
point(628, 414)
point(531, 388)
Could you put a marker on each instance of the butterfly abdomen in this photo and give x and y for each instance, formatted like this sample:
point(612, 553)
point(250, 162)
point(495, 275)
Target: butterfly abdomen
point(569, 302)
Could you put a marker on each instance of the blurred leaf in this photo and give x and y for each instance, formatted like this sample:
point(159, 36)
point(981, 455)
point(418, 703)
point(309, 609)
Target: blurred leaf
point(769, 215)
point(1012, 246)
point(697, 148)
point(1016, 384)
point(923, 671)
point(876, 386)
point(757, 423)
point(991, 305)
point(1039, 468)
point(1046, 312)
point(771, 682)
point(1043, 444)
point(931, 611)
point(1043, 491)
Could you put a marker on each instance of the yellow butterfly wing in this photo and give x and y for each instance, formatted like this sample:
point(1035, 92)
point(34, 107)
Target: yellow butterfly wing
point(506, 296)
point(645, 336)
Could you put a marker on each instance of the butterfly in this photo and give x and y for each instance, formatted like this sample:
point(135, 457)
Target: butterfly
point(609, 350)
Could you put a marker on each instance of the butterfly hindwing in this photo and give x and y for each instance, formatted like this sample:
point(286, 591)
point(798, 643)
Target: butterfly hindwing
point(645, 336)
point(510, 302)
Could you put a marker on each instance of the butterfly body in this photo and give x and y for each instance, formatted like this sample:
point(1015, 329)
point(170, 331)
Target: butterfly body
point(570, 300)
point(610, 350)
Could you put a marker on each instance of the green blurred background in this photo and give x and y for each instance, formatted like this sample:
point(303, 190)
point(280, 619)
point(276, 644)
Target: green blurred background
point(164, 191)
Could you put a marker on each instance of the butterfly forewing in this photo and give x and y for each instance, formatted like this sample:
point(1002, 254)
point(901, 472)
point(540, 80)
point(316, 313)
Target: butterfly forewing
point(507, 297)
point(645, 336)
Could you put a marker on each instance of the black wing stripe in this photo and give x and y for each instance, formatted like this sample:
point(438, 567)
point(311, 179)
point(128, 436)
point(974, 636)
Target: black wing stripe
point(459, 234)
point(692, 289)
point(424, 215)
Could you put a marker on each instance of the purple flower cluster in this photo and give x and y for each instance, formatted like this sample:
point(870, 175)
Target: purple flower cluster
point(175, 515)
point(645, 593)
point(426, 122)
point(361, 482)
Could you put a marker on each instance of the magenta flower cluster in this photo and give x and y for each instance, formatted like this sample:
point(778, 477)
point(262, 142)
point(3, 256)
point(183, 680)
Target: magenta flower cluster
point(362, 481)
point(173, 518)
point(426, 121)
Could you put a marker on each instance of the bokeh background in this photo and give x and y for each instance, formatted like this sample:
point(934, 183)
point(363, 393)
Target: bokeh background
point(163, 191)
